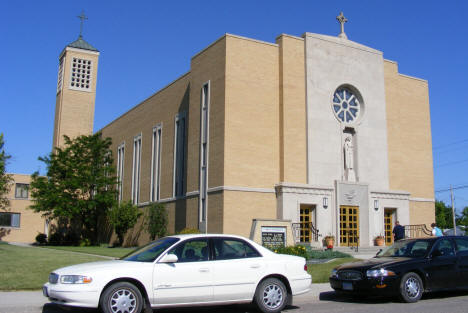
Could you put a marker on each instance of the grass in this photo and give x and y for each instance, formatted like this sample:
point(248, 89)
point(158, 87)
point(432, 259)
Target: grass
point(98, 250)
point(27, 268)
point(321, 272)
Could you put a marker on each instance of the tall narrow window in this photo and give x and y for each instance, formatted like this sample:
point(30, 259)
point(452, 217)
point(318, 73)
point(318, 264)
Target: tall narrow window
point(136, 169)
point(60, 75)
point(179, 157)
point(120, 168)
point(205, 101)
point(156, 163)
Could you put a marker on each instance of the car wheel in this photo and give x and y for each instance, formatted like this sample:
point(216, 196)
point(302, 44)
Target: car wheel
point(121, 297)
point(411, 287)
point(271, 295)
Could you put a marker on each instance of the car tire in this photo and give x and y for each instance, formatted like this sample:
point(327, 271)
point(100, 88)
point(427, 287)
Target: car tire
point(411, 287)
point(122, 297)
point(271, 295)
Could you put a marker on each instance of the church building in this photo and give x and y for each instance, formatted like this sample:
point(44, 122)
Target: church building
point(317, 130)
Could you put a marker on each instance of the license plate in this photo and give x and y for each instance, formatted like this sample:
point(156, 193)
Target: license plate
point(347, 286)
point(44, 291)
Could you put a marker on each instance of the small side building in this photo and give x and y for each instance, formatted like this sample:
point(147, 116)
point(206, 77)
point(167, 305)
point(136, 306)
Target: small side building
point(18, 223)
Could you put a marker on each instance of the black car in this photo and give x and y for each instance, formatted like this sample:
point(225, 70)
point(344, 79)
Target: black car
point(408, 268)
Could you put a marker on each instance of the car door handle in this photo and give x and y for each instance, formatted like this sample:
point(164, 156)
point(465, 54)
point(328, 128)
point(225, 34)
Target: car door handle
point(254, 265)
point(204, 270)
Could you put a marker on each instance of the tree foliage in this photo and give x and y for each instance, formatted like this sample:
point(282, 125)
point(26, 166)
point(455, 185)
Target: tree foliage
point(5, 179)
point(444, 216)
point(462, 220)
point(79, 185)
point(123, 217)
point(157, 222)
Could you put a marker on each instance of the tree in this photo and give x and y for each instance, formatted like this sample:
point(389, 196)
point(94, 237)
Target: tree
point(5, 179)
point(444, 216)
point(123, 217)
point(463, 219)
point(80, 184)
point(157, 223)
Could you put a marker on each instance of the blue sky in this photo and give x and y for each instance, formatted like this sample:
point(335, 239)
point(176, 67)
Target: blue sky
point(428, 39)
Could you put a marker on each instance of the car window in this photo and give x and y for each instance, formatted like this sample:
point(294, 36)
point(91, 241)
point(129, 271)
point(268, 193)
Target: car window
point(444, 248)
point(231, 248)
point(151, 251)
point(462, 245)
point(407, 248)
point(196, 250)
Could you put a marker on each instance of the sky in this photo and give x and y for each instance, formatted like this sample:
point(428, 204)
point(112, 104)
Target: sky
point(145, 45)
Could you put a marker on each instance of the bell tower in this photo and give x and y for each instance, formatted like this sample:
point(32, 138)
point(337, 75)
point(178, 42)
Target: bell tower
point(76, 89)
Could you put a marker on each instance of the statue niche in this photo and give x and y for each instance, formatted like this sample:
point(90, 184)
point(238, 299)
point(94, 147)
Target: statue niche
point(348, 149)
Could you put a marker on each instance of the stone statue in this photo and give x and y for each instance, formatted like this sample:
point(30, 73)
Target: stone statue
point(349, 159)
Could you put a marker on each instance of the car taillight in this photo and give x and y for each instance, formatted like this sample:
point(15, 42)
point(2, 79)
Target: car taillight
point(305, 267)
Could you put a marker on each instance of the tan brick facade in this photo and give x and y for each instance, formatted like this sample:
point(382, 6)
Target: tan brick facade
point(74, 108)
point(30, 223)
point(410, 142)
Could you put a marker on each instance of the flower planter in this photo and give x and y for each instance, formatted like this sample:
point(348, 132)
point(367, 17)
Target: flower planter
point(379, 241)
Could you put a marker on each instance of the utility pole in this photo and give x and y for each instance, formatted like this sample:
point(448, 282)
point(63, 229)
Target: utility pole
point(453, 212)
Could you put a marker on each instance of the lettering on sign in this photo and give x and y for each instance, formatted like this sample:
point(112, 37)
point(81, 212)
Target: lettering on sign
point(274, 236)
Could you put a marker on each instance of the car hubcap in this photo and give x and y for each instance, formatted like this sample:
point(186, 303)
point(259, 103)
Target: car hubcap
point(272, 296)
point(412, 287)
point(123, 301)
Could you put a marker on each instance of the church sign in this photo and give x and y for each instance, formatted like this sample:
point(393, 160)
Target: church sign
point(274, 236)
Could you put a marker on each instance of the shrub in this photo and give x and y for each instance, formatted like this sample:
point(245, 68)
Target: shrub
point(157, 222)
point(41, 238)
point(189, 231)
point(297, 250)
point(326, 254)
point(123, 217)
point(56, 239)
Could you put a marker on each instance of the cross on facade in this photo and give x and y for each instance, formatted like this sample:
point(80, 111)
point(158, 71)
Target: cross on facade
point(82, 17)
point(342, 19)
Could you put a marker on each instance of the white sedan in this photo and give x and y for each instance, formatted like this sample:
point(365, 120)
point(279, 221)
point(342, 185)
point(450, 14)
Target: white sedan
point(183, 270)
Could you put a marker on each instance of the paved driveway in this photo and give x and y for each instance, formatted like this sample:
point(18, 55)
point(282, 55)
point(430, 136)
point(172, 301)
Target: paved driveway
point(319, 300)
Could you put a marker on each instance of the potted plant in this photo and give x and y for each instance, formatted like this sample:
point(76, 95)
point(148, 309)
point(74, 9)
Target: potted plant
point(329, 241)
point(379, 240)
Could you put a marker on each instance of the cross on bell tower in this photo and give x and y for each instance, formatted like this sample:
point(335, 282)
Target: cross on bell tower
point(82, 17)
point(342, 19)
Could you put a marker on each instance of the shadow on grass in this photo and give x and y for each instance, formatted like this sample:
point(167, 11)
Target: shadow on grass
point(363, 299)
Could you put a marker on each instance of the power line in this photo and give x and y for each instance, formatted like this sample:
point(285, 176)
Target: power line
point(451, 163)
point(454, 188)
point(449, 144)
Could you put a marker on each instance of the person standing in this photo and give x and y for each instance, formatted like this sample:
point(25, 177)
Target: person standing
point(398, 232)
point(436, 230)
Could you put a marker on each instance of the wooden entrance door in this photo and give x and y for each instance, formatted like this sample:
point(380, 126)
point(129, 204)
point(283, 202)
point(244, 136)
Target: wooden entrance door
point(388, 222)
point(306, 217)
point(349, 225)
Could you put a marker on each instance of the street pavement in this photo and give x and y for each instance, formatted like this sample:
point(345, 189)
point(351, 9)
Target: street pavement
point(321, 299)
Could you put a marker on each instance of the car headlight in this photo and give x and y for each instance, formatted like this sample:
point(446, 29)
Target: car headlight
point(333, 273)
point(379, 273)
point(75, 279)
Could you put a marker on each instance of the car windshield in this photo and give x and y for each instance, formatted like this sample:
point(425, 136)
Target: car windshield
point(151, 251)
point(406, 248)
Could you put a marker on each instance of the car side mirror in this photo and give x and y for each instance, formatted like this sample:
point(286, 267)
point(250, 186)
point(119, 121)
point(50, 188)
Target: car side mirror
point(169, 258)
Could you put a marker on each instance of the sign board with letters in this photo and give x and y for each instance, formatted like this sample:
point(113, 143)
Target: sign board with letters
point(273, 236)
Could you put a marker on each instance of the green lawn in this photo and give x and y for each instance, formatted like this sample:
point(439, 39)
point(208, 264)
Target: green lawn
point(25, 268)
point(98, 250)
point(321, 272)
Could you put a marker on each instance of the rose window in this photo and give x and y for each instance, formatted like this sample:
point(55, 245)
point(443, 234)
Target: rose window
point(346, 105)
